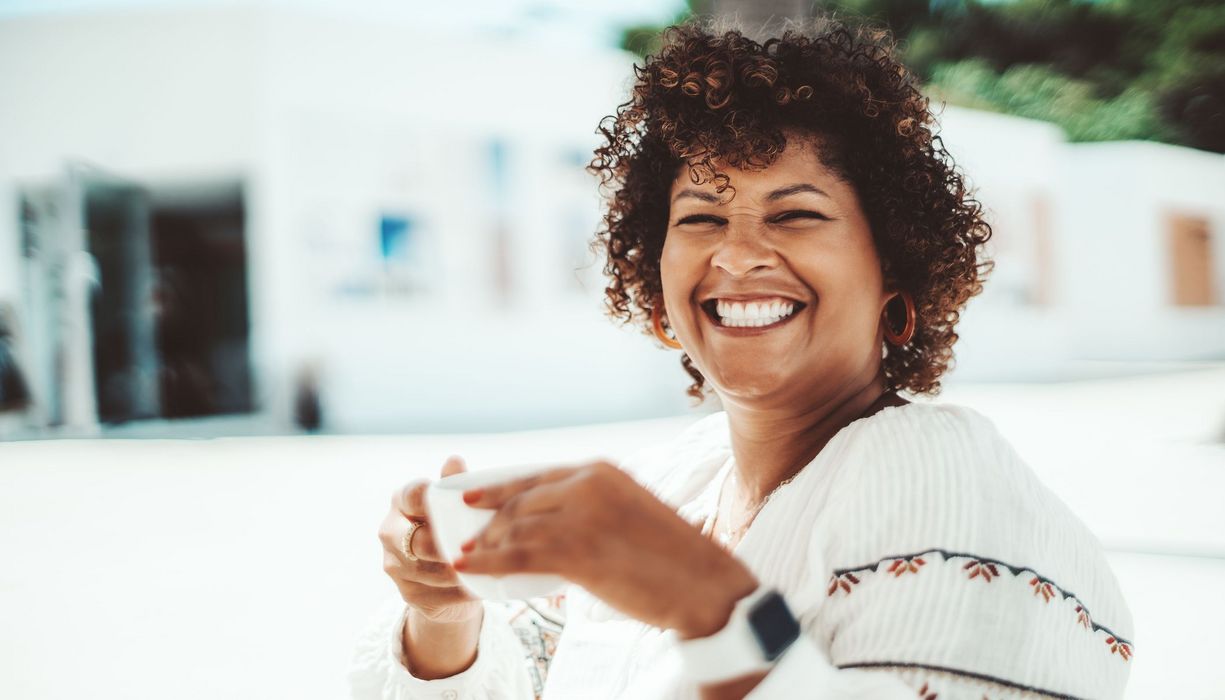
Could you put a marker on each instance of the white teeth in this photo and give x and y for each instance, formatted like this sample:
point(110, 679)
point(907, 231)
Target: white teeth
point(752, 314)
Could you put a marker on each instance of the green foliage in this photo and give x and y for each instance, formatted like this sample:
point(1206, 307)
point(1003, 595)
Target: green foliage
point(644, 39)
point(1104, 70)
point(1038, 91)
point(1127, 69)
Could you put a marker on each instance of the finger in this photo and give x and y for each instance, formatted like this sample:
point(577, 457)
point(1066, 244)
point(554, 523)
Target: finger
point(501, 561)
point(424, 546)
point(393, 530)
point(409, 499)
point(522, 518)
point(426, 597)
point(454, 465)
point(497, 495)
point(531, 530)
point(430, 573)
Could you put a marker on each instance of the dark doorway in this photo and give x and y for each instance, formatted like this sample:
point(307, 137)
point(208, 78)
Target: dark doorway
point(200, 301)
point(137, 297)
point(169, 312)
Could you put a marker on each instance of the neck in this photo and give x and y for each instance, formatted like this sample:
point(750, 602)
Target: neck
point(772, 443)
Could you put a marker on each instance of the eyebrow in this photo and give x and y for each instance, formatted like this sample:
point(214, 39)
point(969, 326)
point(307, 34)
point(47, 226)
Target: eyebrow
point(776, 195)
point(797, 188)
point(696, 194)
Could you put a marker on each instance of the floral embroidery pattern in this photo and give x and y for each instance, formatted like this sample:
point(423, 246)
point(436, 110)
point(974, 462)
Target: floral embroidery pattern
point(987, 569)
point(1047, 591)
point(1122, 647)
point(1082, 617)
point(901, 566)
point(538, 624)
point(845, 581)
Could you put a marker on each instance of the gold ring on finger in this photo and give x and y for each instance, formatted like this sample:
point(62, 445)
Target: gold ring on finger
point(406, 544)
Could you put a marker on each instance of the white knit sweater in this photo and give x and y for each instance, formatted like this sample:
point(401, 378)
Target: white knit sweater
point(921, 555)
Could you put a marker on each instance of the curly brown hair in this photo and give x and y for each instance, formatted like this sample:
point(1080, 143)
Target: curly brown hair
point(712, 93)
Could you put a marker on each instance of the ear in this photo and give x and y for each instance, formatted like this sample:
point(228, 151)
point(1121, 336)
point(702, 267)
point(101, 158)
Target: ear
point(890, 290)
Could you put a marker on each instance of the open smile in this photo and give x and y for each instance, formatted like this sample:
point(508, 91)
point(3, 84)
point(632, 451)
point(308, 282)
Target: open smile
point(751, 318)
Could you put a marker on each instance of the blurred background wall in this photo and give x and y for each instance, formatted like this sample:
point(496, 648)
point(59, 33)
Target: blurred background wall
point(246, 218)
point(209, 208)
point(258, 219)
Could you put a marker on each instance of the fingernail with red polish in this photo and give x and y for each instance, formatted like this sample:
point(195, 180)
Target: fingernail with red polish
point(460, 564)
point(472, 496)
point(468, 546)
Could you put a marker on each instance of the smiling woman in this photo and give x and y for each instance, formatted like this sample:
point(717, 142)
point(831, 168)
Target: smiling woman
point(784, 209)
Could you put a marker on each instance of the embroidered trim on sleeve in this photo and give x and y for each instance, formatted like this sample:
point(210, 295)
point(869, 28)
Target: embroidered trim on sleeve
point(986, 569)
point(958, 672)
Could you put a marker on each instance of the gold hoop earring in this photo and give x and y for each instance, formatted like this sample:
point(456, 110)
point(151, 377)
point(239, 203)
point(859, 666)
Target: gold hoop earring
point(658, 326)
point(907, 334)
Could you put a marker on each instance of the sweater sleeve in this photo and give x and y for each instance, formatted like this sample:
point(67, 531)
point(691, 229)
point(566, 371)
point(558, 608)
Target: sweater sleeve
point(377, 670)
point(950, 570)
point(926, 559)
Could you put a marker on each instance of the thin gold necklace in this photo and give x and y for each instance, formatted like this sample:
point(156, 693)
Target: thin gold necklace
point(726, 537)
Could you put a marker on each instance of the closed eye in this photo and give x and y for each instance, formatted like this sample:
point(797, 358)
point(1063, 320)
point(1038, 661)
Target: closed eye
point(701, 219)
point(800, 214)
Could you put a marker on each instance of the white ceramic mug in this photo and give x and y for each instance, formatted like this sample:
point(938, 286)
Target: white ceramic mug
point(454, 522)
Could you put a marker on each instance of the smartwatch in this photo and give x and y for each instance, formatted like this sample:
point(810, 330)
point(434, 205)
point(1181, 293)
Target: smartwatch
point(760, 629)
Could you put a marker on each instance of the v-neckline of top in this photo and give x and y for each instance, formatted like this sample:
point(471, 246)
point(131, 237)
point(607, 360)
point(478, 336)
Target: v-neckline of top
point(709, 499)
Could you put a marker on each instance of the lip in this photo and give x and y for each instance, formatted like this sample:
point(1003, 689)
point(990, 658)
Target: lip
point(750, 297)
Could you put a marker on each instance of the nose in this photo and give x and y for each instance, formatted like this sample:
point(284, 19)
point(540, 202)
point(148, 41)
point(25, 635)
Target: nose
point(743, 250)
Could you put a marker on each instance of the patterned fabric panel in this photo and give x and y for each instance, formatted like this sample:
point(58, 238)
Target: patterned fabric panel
point(538, 624)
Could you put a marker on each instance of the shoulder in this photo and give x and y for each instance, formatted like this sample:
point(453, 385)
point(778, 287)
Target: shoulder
point(927, 472)
point(945, 472)
point(938, 454)
point(933, 512)
point(936, 433)
point(942, 475)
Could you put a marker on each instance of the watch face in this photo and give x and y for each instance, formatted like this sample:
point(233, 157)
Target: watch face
point(774, 625)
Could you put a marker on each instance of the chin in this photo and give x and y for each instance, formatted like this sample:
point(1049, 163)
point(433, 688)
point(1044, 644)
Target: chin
point(748, 385)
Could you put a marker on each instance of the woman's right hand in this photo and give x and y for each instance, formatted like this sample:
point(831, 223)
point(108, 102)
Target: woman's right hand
point(429, 585)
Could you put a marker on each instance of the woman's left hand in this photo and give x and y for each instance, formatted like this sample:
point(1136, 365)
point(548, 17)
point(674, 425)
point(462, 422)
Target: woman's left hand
point(596, 526)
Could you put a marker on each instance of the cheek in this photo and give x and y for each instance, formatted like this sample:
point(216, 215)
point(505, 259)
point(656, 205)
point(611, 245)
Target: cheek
point(667, 264)
point(675, 270)
point(847, 280)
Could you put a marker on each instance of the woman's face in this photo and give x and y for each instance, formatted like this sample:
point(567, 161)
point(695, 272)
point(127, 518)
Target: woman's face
point(776, 295)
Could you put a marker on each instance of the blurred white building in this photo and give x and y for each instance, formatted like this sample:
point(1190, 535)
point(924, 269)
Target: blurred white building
point(405, 214)
point(203, 210)
point(1106, 252)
